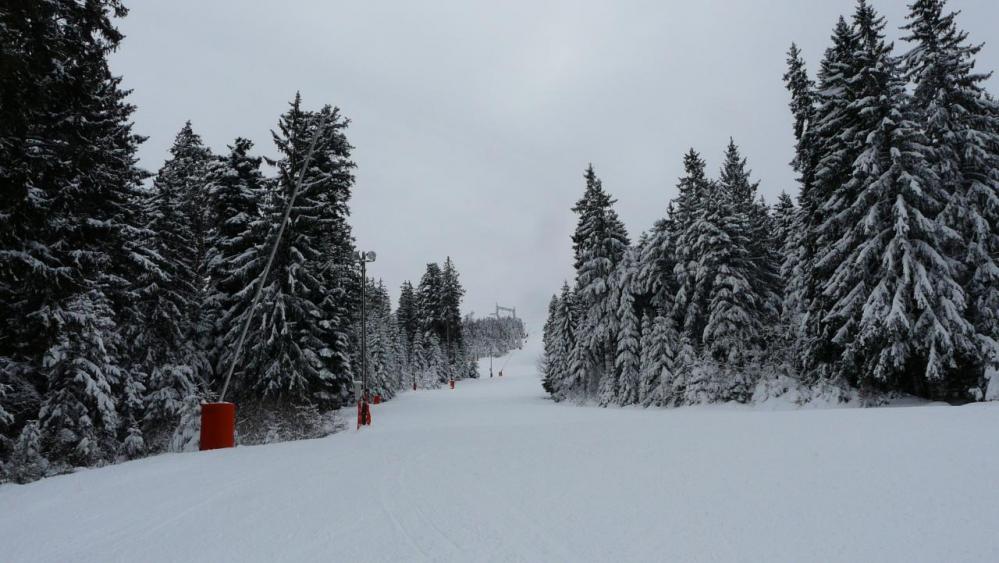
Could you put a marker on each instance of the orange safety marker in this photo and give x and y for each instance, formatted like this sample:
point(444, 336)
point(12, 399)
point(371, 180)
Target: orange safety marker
point(363, 414)
point(452, 384)
point(218, 426)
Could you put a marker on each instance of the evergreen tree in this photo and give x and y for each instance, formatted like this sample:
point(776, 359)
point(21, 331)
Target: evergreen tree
point(451, 295)
point(798, 245)
point(70, 243)
point(961, 123)
point(599, 242)
point(659, 361)
point(172, 291)
point(629, 334)
point(298, 344)
point(548, 342)
point(429, 305)
point(834, 156)
point(237, 191)
point(784, 225)
point(27, 462)
point(407, 314)
point(559, 379)
point(79, 417)
point(897, 313)
point(688, 306)
point(723, 278)
point(763, 260)
point(785, 241)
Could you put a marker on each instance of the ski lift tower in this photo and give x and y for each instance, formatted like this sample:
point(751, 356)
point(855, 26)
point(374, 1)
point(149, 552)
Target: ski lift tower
point(511, 310)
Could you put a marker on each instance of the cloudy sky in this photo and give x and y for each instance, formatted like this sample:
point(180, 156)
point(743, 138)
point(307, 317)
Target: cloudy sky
point(473, 121)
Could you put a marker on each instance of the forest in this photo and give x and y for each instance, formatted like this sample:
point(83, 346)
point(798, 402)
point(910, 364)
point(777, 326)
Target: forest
point(881, 280)
point(123, 293)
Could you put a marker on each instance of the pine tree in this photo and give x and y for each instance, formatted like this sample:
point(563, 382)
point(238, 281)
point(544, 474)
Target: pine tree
point(559, 380)
point(297, 345)
point(896, 310)
point(659, 362)
point(785, 241)
point(79, 418)
point(336, 267)
point(961, 123)
point(548, 340)
point(27, 462)
point(629, 333)
point(451, 295)
point(723, 278)
point(236, 190)
point(763, 260)
point(406, 313)
point(688, 306)
point(835, 113)
point(173, 290)
point(599, 243)
point(70, 243)
point(429, 304)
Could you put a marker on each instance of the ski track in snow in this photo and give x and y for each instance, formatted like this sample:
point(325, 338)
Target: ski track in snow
point(492, 471)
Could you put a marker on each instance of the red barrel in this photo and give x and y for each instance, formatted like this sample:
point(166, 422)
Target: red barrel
point(218, 425)
point(378, 399)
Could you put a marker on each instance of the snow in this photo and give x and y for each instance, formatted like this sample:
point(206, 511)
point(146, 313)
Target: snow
point(494, 471)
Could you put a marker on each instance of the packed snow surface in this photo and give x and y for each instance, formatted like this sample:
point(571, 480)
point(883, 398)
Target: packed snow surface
point(494, 471)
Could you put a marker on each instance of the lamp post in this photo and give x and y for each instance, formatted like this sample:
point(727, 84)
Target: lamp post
point(362, 400)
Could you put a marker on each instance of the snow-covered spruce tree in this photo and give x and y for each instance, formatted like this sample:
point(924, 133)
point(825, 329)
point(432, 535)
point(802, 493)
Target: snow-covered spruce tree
point(187, 171)
point(724, 276)
point(404, 355)
point(27, 462)
point(897, 311)
point(648, 377)
point(626, 361)
point(406, 313)
point(559, 378)
point(961, 124)
point(172, 291)
point(383, 366)
point(547, 341)
point(451, 295)
point(428, 361)
point(689, 304)
point(429, 305)
point(784, 225)
point(295, 349)
point(599, 244)
point(68, 202)
point(79, 417)
point(656, 264)
point(236, 191)
point(336, 268)
point(784, 334)
point(834, 154)
point(797, 243)
point(659, 362)
point(763, 260)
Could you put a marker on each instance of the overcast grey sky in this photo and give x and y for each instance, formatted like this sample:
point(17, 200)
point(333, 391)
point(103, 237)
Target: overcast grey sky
point(473, 121)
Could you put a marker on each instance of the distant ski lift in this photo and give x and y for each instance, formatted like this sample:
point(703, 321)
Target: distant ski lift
point(511, 310)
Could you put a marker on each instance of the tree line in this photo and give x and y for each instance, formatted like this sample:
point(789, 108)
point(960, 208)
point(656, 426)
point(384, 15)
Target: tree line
point(122, 294)
point(882, 279)
point(493, 336)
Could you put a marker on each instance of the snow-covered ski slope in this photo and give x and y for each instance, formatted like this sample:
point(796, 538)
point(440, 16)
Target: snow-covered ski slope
point(493, 471)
